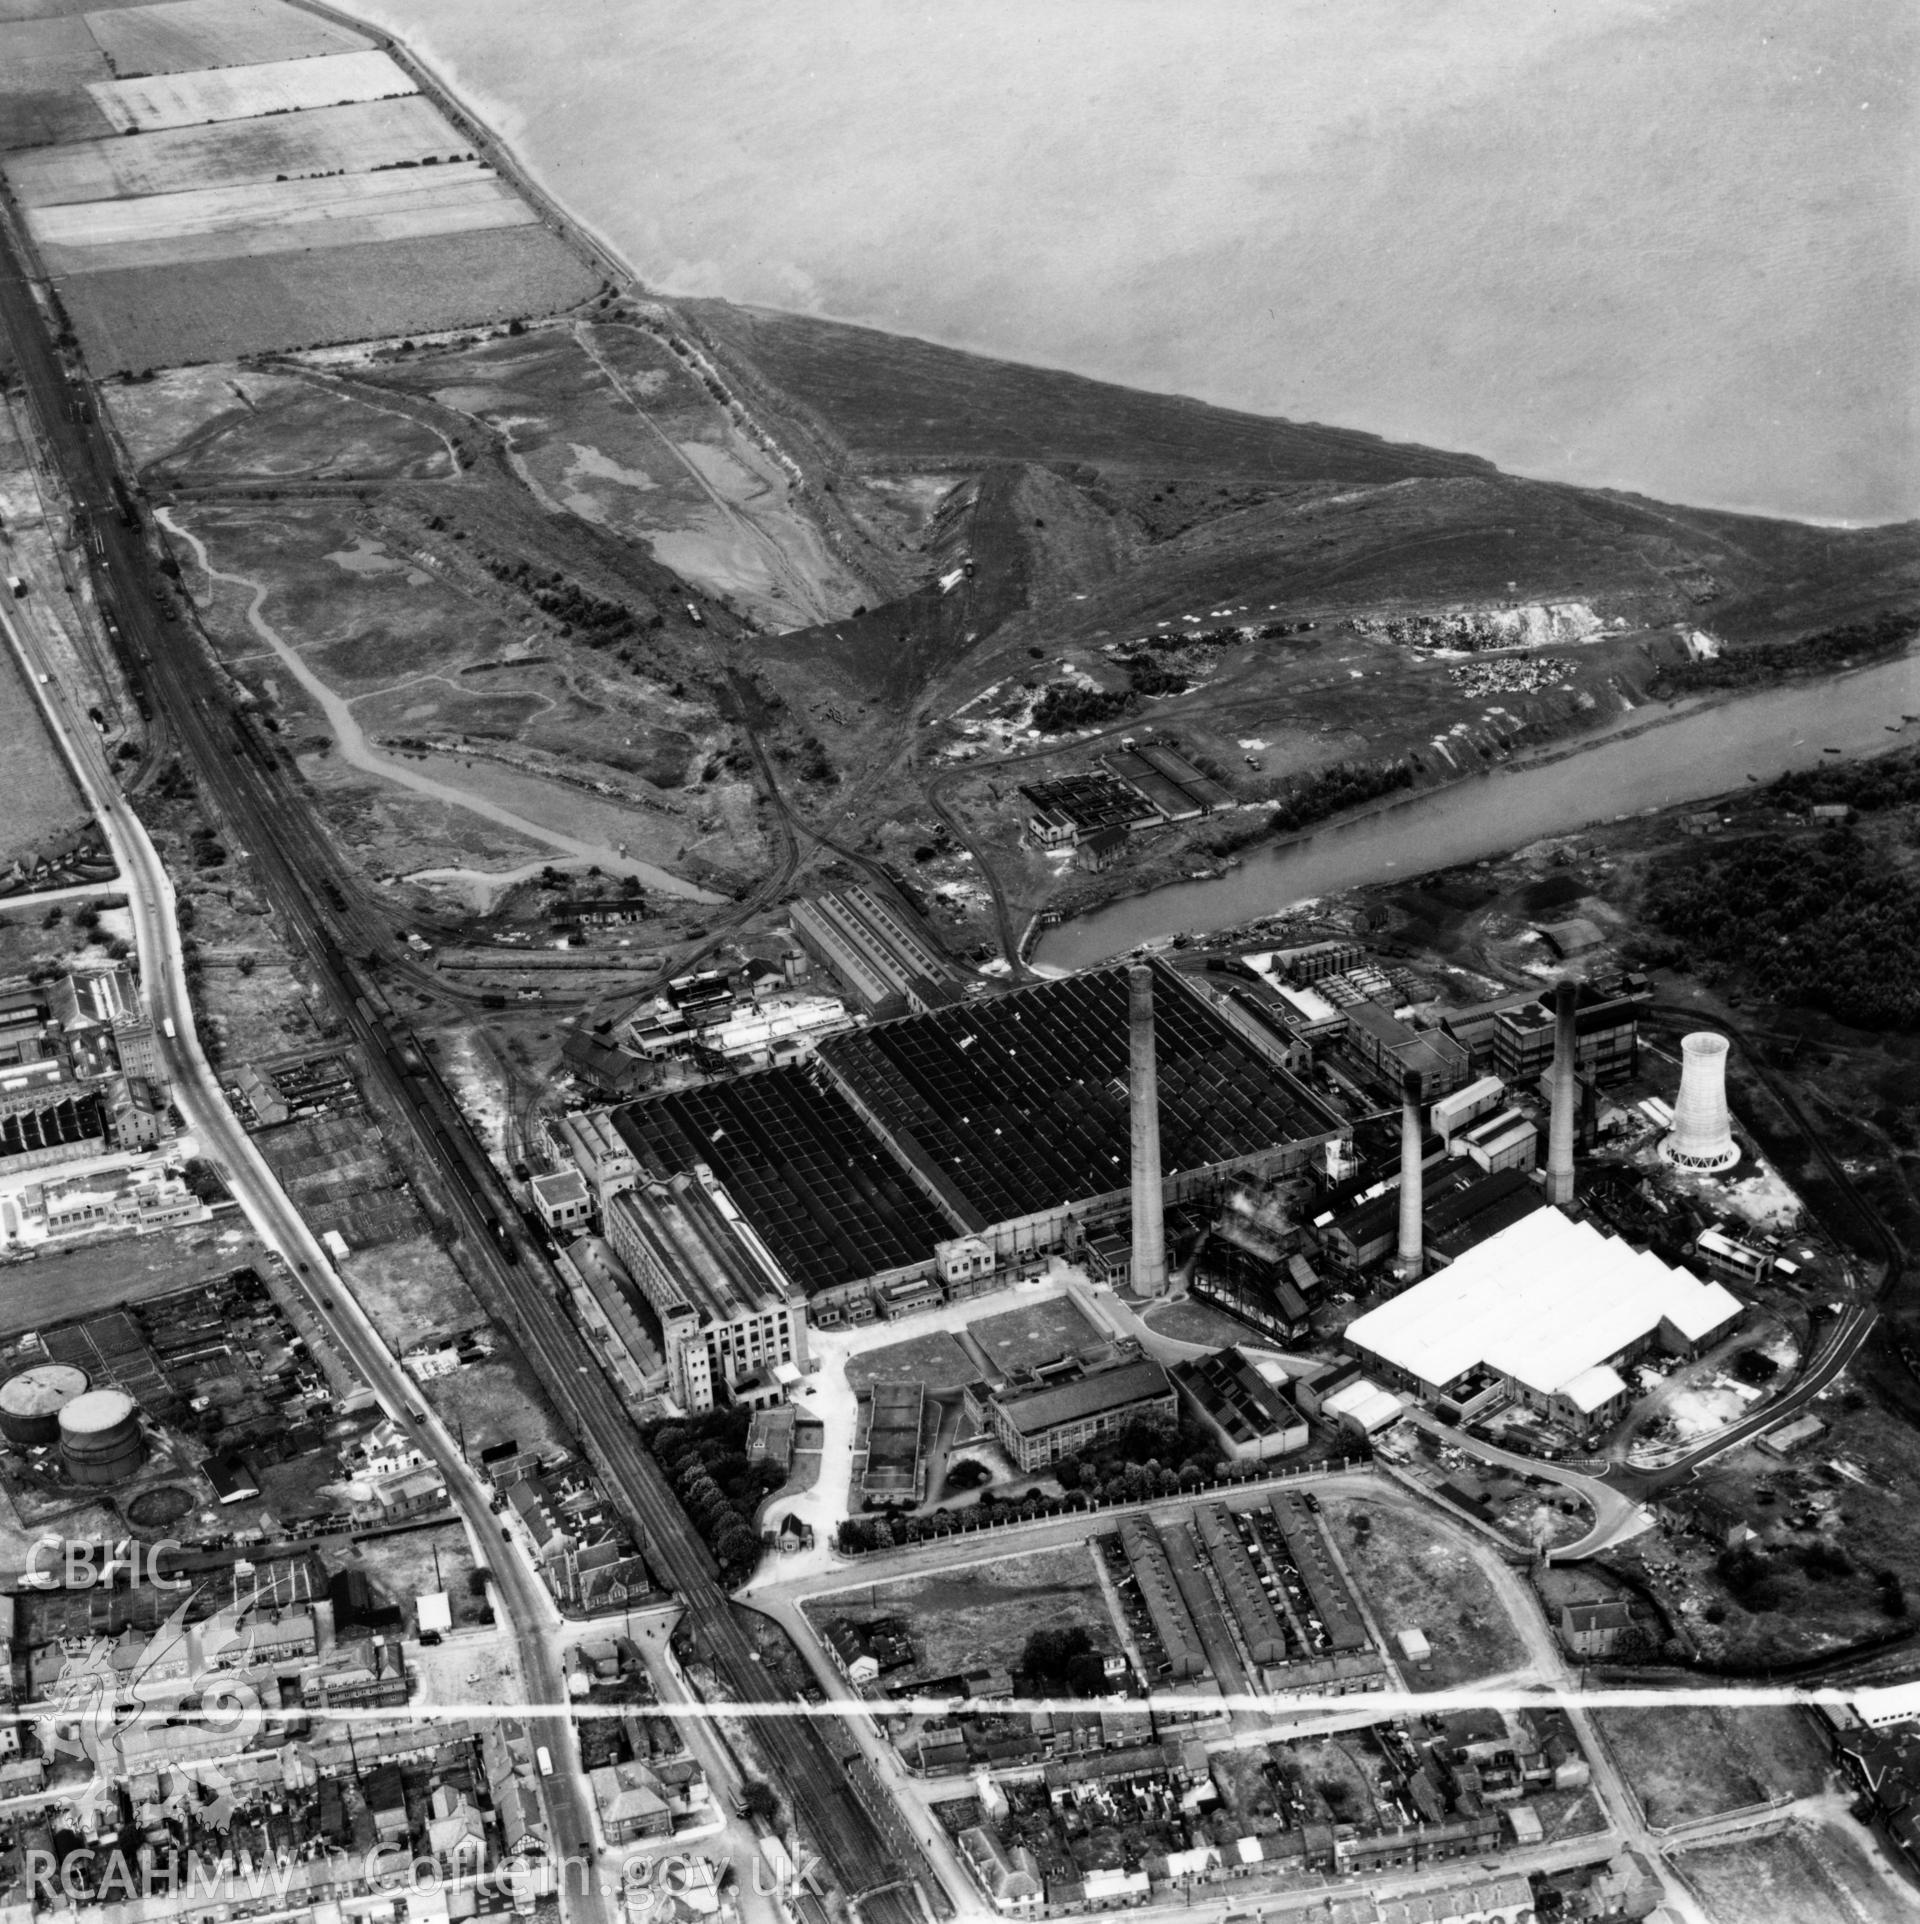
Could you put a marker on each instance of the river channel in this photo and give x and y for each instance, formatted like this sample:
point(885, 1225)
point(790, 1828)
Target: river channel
point(1705, 751)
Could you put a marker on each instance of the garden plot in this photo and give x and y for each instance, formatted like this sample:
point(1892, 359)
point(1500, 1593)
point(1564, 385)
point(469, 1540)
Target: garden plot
point(183, 35)
point(241, 93)
point(275, 217)
point(356, 139)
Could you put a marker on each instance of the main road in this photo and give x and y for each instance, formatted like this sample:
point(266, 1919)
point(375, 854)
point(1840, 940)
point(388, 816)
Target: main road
point(203, 1107)
point(270, 819)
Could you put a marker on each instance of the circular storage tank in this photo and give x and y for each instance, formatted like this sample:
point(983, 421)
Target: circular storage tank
point(30, 1403)
point(100, 1437)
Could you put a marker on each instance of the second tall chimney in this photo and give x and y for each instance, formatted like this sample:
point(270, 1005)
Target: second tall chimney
point(1143, 1089)
point(1562, 1117)
point(1412, 1257)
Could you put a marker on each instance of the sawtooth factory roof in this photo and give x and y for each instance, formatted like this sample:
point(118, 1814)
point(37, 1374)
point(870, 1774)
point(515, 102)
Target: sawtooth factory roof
point(1019, 1104)
point(827, 1199)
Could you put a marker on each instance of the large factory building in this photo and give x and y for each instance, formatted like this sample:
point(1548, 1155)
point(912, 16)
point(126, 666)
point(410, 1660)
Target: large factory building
point(945, 1148)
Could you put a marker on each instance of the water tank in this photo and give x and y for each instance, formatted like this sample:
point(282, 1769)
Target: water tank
point(30, 1403)
point(100, 1437)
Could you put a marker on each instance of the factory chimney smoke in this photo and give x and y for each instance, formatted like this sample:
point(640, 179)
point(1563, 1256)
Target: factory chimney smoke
point(1143, 1087)
point(1702, 1134)
point(1412, 1258)
point(1562, 1118)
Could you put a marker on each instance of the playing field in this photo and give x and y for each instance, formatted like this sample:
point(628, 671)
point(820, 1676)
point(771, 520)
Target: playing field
point(176, 160)
point(186, 34)
point(240, 93)
point(268, 217)
point(141, 317)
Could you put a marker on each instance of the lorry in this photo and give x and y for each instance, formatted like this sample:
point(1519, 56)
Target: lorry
point(168, 1030)
point(544, 1758)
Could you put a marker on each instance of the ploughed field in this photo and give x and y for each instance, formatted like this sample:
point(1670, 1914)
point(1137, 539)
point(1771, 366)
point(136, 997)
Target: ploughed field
point(213, 178)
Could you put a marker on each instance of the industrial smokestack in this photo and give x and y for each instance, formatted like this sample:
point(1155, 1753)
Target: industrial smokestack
point(1143, 1087)
point(1702, 1133)
point(1412, 1259)
point(1562, 1117)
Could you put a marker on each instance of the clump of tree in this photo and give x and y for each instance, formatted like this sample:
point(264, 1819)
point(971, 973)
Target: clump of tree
point(1060, 1661)
point(1334, 790)
point(1831, 926)
point(1148, 678)
point(600, 621)
point(1065, 706)
point(1883, 782)
point(1851, 643)
point(705, 1458)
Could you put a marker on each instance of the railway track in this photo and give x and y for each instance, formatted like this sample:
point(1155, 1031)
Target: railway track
point(246, 782)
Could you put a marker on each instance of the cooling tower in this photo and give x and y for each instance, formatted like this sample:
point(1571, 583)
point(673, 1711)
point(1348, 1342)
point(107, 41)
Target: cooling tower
point(1560, 1122)
point(1412, 1258)
point(1143, 1088)
point(1702, 1136)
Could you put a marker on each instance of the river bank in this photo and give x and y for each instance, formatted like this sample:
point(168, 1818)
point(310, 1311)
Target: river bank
point(1692, 752)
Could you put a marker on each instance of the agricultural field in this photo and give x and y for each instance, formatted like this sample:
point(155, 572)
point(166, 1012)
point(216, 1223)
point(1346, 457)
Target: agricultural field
point(46, 67)
point(1686, 1763)
point(355, 139)
point(44, 806)
point(129, 319)
point(181, 35)
point(266, 217)
point(980, 1615)
point(245, 93)
point(1418, 1575)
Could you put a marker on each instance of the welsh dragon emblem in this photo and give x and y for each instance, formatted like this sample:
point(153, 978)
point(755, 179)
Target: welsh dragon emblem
point(191, 1675)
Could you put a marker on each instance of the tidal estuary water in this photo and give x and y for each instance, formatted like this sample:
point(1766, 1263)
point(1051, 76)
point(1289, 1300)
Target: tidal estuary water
point(1666, 245)
point(1705, 752)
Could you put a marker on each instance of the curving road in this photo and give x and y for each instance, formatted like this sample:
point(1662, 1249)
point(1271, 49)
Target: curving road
point(528, 1607)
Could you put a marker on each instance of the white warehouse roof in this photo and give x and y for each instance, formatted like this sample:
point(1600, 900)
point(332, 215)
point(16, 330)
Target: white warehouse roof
point(1544, 1302)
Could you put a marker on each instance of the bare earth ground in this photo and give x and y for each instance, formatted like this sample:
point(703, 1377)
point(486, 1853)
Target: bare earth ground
point(497, 1402)
point(982, 1614)
point(1810, 1874)
point(1416, 1576)
point(407, 1565)
point(75, 1282)
point(412, 1291)
point(1686, 1762)
point(43, 807)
